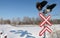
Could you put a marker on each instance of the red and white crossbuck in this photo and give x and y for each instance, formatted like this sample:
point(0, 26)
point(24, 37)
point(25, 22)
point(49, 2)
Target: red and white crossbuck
point(46, 20)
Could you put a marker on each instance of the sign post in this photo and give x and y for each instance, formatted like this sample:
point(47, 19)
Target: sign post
point(43, 24)
point(48, 9)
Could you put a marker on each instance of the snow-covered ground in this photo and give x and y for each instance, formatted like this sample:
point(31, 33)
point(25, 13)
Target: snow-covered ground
point(33, 30)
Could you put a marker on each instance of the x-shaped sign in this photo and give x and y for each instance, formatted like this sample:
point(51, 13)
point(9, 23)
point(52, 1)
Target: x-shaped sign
point(46, 20)
point(45, 29)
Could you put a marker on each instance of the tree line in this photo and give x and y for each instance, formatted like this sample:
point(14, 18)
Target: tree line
point(26, 20)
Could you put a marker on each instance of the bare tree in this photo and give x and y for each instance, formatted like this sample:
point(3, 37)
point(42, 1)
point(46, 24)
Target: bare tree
point(26, 20)
point(1, 21)
point(33, 20)
point(18, 22)
point(13, 22)
point(38, 20)
point(7, 21)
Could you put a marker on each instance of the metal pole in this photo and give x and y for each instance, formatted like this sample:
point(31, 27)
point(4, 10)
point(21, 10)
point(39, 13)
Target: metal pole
point(44, 32)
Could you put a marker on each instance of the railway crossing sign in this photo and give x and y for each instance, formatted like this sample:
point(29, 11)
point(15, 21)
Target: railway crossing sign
point(46, 20)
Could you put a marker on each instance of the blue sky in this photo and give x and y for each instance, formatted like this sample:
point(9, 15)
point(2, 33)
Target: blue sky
point(21, 8)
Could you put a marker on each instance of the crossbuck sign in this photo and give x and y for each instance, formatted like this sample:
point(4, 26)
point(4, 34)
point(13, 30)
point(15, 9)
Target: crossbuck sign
point(46, 20)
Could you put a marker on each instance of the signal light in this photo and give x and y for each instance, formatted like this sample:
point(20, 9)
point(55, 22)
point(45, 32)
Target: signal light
point(40, 5)
point(49, 8)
